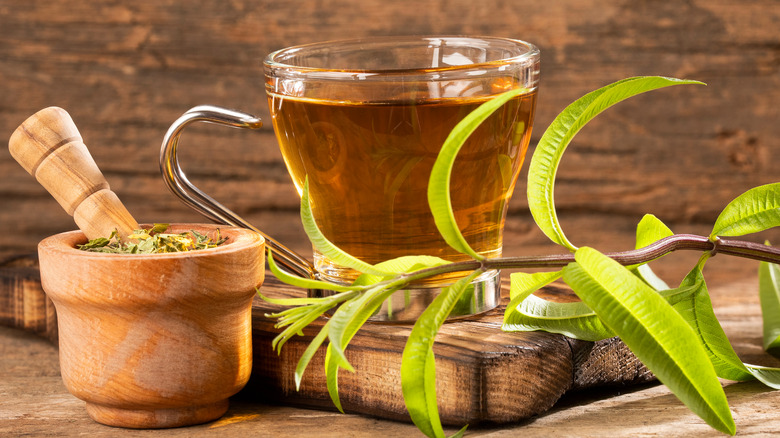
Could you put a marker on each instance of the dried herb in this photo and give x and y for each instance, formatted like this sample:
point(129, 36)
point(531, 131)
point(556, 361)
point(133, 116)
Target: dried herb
point(153, 241)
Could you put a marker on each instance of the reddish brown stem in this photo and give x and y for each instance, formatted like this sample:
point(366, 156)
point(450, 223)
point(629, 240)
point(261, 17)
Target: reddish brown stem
point(649, 253)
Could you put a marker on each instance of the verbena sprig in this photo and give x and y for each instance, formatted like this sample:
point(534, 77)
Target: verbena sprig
point(673, 331)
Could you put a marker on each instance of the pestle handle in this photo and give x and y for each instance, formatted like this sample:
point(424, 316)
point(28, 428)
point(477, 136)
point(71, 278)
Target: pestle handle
point(49, 147)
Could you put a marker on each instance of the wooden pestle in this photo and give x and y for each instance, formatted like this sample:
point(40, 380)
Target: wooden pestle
point(48, 145)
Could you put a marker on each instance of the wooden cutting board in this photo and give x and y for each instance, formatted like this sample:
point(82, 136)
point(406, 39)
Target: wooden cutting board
point(484, 375)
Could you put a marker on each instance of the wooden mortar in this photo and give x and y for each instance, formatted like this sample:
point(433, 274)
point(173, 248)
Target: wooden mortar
point(154, 340)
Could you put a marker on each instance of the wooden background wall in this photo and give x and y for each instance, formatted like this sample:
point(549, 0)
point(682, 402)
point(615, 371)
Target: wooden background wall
point(126, 70)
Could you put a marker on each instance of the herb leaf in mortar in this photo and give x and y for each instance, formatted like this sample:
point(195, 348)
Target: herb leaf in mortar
point(153, 241)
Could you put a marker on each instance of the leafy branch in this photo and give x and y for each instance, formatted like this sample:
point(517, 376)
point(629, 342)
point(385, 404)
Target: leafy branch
point(673, 331)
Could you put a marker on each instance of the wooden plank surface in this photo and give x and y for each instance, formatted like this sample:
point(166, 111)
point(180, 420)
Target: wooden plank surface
point(484, 375)
point(34, 402)
point(125, 71)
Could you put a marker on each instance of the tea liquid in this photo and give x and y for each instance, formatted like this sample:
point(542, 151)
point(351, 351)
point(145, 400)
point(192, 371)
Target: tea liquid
point(368, 166)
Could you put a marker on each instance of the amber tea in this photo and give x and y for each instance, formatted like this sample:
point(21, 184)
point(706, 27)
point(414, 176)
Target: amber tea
point(368, 165)
point(364, 120)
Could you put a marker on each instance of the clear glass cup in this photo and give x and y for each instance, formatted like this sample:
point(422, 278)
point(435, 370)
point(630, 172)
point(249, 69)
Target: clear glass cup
point(364, 120)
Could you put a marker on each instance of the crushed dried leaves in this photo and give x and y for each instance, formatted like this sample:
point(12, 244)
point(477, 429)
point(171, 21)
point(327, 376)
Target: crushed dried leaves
point(153, 241)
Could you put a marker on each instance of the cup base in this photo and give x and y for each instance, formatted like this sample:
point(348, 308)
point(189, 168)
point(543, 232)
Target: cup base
point(156, 418)
point(406, 305)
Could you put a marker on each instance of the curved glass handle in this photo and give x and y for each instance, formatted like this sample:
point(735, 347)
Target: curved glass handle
point(178, 183)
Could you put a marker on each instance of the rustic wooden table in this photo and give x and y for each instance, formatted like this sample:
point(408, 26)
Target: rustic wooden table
point(34, 402)
point(126, 70)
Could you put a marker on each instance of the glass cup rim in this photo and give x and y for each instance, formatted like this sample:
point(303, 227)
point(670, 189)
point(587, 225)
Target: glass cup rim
point(271, 62)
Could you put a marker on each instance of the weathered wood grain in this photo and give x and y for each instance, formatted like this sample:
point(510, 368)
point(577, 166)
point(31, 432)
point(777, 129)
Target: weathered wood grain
point(484, 376)
point(38, 404)
point(22, 302)
point(125, 71)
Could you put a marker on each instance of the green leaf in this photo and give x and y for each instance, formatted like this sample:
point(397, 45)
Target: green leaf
point(158, 228)
point(767, 375)
point(575, 320)
point(350, 316)
point(654, 331)
point(756, 210)
point(439, 183)
point(302, 301)
point(332, 378)
point(308, 354)
point(769, 294)
point(523, 284)
point(527, 312)
point(650, 230)
point(460, 433)
point(297, 321)
point(99, 242)
point(306, 283)
point(325, 246)
point(353, 314)
point(546, 158)
point(307, 310)
point(404, 264)
point(348, 319)
point(344, 324)
point(692, 301)
point(418, 371)
point(646, 273)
